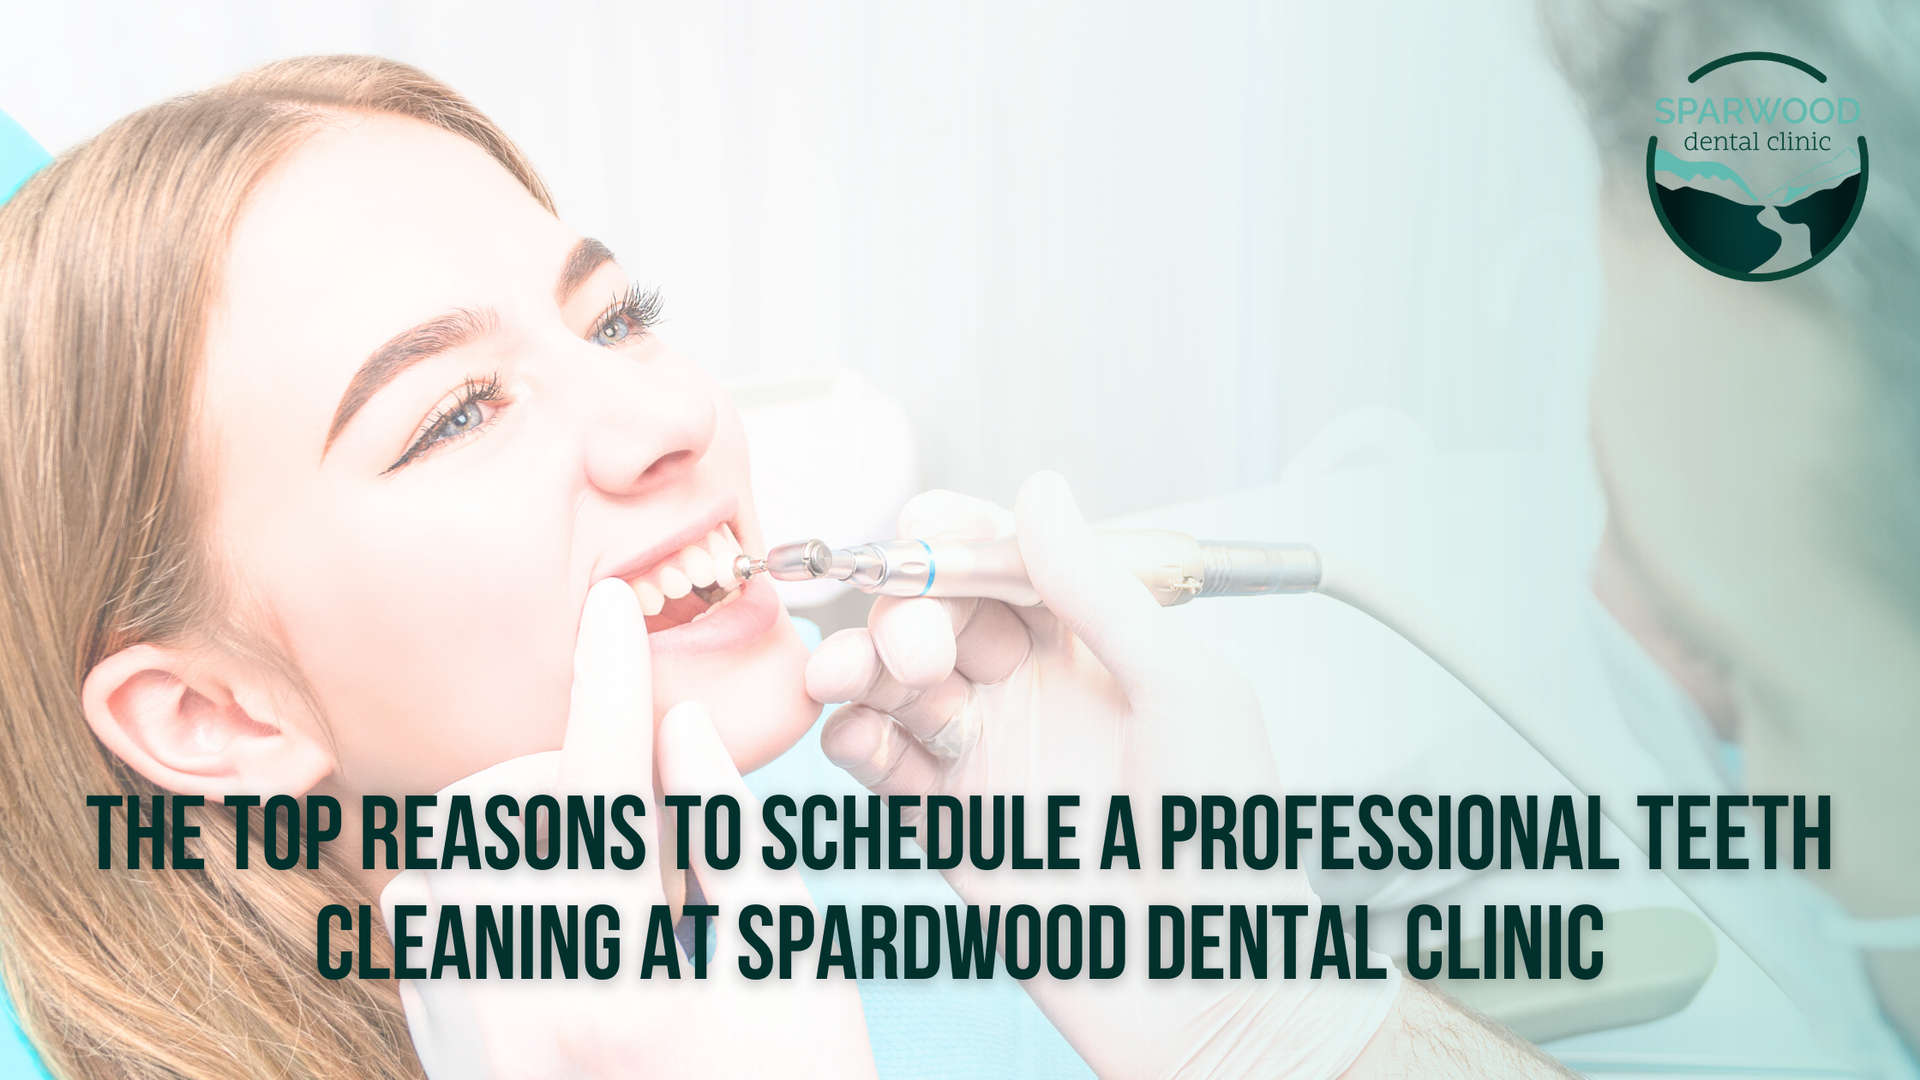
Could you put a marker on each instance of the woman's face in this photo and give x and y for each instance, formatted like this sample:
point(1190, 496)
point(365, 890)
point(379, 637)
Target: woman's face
point(433, 423)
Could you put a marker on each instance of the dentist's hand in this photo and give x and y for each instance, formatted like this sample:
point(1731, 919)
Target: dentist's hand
point(722, 1026)
point(1095, 694)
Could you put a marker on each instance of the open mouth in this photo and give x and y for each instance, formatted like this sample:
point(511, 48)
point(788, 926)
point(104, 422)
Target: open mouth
point(689, 584)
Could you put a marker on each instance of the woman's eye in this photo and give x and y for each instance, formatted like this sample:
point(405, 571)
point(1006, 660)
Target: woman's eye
point(477, 404)
point(627, 319)
point(614, 329)
point(462, 420)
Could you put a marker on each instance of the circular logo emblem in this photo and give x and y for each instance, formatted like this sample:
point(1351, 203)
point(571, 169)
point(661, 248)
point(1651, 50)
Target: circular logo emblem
point(1762, 185)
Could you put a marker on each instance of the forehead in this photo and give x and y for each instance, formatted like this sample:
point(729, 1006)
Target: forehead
point(382, 208)
point(374, 225)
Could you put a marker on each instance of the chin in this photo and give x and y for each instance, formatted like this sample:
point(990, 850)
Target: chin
point(756, 692)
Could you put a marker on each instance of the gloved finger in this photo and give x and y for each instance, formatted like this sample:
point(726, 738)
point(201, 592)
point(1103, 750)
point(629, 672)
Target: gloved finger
point(951, 515)
point(1100, 601)
point(693, 761)
point(991, 642)
point(406, 887)
point(990, 639)
point(843, 668)
point(914, 638)
point(922, 640)
point(946, 718)
point(878, 753)
point(846, 667)
point(608, 749)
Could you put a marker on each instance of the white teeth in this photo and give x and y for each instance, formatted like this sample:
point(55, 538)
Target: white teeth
point(673, 583)
point(707, 563)
point(697, 565)
point(651, 599)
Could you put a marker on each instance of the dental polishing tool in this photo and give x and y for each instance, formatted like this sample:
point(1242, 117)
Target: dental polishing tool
point(1174, 566)
point(1177, 568)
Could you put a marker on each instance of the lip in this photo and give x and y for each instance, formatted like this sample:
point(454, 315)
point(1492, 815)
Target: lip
point(724, 628)
point(720, 511)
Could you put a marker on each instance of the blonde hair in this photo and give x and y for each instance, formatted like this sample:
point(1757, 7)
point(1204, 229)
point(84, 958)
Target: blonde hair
point(109, 261)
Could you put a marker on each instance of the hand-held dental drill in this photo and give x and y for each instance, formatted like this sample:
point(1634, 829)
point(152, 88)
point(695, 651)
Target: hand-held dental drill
point(1177, 568)
point(1174, 566)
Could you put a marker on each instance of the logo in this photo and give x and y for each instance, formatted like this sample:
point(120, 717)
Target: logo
point(1762, 185)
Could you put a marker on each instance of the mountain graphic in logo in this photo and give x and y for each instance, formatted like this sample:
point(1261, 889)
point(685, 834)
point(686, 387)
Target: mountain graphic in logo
point(1710, 206)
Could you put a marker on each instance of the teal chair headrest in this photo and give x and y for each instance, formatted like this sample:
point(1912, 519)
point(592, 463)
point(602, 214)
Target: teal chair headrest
point(20, 156)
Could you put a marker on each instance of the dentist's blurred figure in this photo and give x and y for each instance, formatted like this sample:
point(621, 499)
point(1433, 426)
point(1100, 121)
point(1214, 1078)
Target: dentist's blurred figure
point(1759, 443)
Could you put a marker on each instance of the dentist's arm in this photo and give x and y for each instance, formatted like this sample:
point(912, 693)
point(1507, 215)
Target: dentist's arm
point(1429, 1035)
point(1098, 694)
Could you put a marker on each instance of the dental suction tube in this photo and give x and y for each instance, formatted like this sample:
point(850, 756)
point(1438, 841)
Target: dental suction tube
point(1174, 566)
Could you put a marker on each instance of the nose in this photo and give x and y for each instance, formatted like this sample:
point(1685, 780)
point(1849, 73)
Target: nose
point(648, 425)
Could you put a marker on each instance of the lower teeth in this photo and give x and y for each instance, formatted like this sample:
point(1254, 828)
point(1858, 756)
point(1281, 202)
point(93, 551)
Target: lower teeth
point(726, 596)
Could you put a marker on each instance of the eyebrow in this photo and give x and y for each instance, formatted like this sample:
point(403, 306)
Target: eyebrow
point(404, 350)
point(450, 331)
point(587, 256)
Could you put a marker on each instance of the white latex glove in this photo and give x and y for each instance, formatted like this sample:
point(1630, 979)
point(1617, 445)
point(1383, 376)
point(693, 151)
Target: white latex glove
point(1096, 693)
point(722, 1026)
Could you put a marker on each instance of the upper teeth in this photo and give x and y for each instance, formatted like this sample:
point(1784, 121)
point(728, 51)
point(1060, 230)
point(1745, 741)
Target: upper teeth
point(708, 562)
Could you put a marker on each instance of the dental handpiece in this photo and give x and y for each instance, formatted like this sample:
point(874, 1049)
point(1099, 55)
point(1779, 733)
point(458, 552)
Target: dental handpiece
point(1174, 566)
point(1177, 568)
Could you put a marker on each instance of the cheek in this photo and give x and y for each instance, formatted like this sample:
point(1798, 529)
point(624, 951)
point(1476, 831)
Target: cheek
point(436, 633)
point(756, 695)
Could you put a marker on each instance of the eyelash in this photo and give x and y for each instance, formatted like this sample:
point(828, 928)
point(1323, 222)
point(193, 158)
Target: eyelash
point(471, 392)
point(639, 307)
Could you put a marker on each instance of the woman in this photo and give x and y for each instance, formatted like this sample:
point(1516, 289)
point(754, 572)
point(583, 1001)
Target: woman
point(320, 432)
point(212, 547)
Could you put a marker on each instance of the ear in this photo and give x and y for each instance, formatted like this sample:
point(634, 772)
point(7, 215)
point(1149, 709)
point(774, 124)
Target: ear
point(203, 723)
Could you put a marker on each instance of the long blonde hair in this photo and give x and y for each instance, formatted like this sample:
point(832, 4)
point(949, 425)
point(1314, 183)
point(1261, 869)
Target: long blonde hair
point(109, 261)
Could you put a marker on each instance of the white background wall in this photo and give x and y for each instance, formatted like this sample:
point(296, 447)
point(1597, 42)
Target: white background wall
point(1156, 246)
